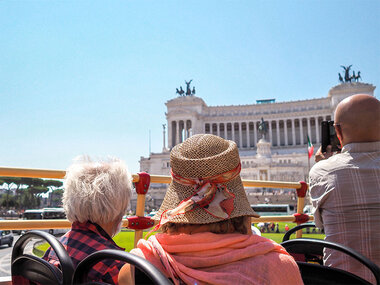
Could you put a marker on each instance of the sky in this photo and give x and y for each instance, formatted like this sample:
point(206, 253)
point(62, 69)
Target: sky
point(92, 77)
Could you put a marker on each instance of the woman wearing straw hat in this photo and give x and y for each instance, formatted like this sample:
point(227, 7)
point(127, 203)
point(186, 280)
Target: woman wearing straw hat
point(205, 221)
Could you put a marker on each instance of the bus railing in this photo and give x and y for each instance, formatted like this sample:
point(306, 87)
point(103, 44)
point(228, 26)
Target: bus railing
point(142, 182)
point(65, 224)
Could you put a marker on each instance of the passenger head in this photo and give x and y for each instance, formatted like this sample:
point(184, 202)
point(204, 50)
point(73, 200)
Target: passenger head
point(99, 192)
point(357, 119)
point(206, 193)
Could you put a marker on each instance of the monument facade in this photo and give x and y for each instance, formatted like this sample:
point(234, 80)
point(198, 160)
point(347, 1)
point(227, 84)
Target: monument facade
point(278, 155)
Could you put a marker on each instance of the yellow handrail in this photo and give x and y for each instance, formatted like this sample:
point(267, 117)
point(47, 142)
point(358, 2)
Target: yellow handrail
point(65, 224)
point(60, 174)
point(32, 172)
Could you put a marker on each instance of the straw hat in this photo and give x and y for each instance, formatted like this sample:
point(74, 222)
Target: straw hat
point(198, 157)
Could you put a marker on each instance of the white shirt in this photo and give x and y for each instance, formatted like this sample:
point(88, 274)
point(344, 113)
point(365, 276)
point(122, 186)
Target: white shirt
point(345, 192)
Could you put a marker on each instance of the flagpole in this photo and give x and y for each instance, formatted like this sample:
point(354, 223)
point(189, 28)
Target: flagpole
point(308, 168)
point(310, 152)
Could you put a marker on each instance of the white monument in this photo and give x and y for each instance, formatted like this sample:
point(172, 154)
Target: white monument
point(280, 156)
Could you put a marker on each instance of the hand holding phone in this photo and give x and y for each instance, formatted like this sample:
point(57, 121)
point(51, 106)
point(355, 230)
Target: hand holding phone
point(329, 137)
point(319, 155)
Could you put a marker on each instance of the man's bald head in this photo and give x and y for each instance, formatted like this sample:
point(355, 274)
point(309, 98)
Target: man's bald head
point(358, 117)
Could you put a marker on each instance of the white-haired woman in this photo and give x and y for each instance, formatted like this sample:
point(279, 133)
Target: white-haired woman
point(95, 198)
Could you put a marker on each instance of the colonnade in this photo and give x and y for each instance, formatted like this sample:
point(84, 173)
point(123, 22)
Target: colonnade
point(282, 132)
point(180, 130)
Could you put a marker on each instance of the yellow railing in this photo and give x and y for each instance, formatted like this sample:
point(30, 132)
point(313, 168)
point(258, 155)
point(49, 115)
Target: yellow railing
point(60, 174)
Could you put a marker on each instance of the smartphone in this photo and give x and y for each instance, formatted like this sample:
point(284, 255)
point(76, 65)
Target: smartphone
point(329, 136)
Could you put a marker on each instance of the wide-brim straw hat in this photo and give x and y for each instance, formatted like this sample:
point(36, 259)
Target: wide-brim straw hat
point(201, 156)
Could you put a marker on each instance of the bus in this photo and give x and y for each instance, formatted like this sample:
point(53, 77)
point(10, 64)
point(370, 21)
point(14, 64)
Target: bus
point(48, 214)
point(273, 209)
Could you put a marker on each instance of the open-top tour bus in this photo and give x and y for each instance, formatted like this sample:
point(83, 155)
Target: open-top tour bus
point(139, 222)
point(310, 272)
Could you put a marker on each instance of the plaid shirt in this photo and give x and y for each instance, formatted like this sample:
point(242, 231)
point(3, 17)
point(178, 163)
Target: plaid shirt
point(345, 191)
point(84, 239)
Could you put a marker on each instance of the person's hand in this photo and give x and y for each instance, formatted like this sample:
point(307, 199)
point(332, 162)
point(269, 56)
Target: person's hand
point(325, 155)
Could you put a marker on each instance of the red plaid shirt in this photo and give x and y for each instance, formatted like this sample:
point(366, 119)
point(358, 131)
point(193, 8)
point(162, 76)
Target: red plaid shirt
point(84, 239)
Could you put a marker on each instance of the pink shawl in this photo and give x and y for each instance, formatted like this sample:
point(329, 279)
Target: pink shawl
point(207, 258)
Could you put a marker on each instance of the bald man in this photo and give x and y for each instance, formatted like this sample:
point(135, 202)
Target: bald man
point(345, 187)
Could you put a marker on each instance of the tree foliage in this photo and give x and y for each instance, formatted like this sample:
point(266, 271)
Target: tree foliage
point(24, 192)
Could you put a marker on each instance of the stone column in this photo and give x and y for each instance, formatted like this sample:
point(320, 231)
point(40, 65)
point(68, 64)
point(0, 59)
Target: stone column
point(186, 130)
point(317, 129)
point(293, 133)
point(233, 131)
point(308, 129)
point(270, 132)
point(218, 129)
point(286, 131)
point(177, 133)
point(301, 131)
point(248, 136)
point(278, 132)
point(254, 133)
point(170, 130)
point(225, 131)
point(240, 135)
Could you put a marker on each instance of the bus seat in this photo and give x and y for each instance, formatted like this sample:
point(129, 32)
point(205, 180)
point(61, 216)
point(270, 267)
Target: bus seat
point(81, 272)
point(319, 274)
point(311, 253)
point(295, 229)
point(30, 269)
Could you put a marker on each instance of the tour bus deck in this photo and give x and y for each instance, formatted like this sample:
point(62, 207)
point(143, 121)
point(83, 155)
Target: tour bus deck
point(142, 181)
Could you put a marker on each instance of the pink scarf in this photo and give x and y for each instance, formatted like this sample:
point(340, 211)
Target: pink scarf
point(207, 258)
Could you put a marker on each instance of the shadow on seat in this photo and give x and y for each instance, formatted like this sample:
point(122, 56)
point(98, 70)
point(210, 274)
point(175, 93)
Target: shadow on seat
point(30, 269)
point(311, 253)
point(319, 274)
point(81, 272)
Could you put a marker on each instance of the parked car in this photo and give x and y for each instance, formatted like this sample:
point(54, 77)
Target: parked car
point(6, 237)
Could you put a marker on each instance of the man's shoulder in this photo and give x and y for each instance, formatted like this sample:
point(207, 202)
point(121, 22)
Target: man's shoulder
point(329, 165)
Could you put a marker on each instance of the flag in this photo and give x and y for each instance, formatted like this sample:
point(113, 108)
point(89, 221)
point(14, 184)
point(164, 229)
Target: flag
point(310, 147)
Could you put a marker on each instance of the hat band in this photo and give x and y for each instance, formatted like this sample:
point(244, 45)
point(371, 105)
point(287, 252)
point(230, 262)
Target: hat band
point(210, 194)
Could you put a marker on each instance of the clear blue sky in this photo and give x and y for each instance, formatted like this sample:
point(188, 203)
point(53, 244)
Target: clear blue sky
point(92, 77)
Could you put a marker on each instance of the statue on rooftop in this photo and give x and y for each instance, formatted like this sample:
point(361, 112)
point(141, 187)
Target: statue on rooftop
point(347, 77)
point(357, 77)
point(340, 78)
point(188, 90)
point(180, 91)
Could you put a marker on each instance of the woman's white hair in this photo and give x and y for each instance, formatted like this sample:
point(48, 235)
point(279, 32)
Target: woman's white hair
point(99, 192)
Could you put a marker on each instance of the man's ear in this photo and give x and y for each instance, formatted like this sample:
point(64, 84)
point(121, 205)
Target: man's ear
point(339, 134)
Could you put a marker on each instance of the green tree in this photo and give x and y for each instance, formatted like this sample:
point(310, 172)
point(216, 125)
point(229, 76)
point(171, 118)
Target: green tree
point(27, 191)
point(8, 202)
point(56, 197)
point(12, 183)
point(35, 189)
point(56, 193)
